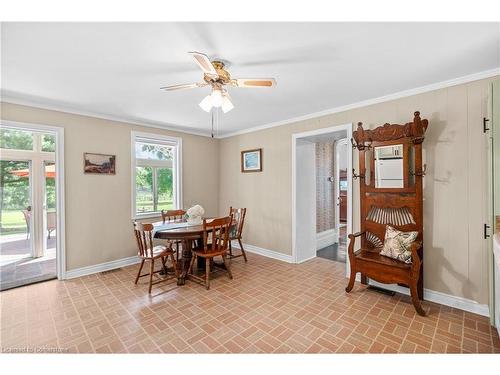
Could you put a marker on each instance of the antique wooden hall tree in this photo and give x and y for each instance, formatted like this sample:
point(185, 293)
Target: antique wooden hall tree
point(397, 203)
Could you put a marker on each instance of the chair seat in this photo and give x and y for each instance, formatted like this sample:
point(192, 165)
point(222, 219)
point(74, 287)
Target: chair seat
point(373, 255)
point(159, 251)
point(200, 251)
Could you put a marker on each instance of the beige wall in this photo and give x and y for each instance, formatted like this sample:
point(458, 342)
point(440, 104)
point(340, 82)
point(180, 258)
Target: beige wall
point(454, 208)
point(98, 208)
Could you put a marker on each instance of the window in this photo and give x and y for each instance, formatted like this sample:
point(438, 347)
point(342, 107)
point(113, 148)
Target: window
point(156, 174)
point(48, 143)
point(14, 139)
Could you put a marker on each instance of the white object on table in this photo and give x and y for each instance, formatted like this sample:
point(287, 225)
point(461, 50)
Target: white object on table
point(195, 214)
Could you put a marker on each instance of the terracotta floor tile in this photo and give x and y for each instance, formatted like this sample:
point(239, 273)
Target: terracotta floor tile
point(269, 307)
point(377, 347)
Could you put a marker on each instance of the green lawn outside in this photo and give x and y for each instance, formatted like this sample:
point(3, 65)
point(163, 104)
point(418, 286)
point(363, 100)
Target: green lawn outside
point(13, 222)
point(147, 206)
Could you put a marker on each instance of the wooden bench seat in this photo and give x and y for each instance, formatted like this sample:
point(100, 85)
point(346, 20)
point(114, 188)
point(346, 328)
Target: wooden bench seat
point(372, 255)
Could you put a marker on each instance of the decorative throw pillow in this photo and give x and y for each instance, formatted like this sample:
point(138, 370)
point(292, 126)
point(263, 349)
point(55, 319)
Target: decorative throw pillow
point(397, 244)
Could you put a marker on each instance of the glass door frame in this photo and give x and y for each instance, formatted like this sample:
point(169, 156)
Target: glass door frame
point(38, 227)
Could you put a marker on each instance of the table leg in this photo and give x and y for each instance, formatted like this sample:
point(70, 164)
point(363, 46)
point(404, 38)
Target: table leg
point(186, 259)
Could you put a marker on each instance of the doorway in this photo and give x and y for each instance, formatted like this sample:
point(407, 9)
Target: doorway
point(321, 194)
point(30, 220)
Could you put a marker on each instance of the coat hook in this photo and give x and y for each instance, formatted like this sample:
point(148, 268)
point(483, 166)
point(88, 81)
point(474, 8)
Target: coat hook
point(424, 170)
point(353, 144)
point(361, 146)
point(420, 173)
point(355, 176)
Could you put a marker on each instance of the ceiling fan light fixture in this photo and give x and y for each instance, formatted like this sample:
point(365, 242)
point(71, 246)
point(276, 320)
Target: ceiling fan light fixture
point(217, 77)
point(216, 97)
point(227, 105)
point(206, 103)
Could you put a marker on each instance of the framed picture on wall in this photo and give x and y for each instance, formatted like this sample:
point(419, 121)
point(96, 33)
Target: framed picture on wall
point(99, 163)
point(251, 160)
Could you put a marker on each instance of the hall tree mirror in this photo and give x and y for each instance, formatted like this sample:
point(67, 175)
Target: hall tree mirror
point(390, 166)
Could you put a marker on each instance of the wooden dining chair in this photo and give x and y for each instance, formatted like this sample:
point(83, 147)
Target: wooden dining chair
point(235, 233)
point(171, 216)
point(218, 230)
point(149, 252)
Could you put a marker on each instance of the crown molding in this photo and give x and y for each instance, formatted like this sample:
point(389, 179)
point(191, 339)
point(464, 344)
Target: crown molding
point(364, 103)
point(23, 100)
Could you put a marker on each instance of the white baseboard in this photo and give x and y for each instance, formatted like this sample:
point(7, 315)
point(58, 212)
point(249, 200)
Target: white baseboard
point(305, 260)
point(101, 267)
point(438, 297)
point(326, 238)
point(264, 252)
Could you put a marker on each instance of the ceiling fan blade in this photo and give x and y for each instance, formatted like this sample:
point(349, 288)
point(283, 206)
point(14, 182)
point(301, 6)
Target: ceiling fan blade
point(204, 63)
point(184, 86)
point(254, 82)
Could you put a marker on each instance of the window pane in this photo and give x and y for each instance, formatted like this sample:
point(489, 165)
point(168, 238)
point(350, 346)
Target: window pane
point(48, 143)
point(153, 151)
point(165, 189)
point(144, 189)
point(16, 139)
point(50, 185)
point(15, 199)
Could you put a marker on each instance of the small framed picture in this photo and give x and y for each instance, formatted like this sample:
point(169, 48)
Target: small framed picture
point(251, 160)
point(99, 163)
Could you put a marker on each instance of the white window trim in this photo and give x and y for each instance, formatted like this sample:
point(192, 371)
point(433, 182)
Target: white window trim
point(177, 165)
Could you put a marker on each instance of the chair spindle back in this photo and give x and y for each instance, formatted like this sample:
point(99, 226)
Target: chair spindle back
point(218, 229)
point(238, 215)
point(144, 237)
point(172, 215)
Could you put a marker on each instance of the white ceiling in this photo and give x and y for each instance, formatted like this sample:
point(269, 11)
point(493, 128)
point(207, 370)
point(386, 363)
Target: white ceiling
point(116, 69)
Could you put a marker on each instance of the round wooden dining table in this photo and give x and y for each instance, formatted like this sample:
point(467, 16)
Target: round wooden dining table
point(186, 234)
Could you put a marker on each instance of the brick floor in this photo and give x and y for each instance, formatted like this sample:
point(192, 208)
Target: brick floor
point(269, 307)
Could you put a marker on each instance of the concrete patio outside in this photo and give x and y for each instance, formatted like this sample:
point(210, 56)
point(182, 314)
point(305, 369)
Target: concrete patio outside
point(17, 267)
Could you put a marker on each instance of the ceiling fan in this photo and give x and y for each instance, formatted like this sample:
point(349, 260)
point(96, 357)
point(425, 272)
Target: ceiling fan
point(216, 76)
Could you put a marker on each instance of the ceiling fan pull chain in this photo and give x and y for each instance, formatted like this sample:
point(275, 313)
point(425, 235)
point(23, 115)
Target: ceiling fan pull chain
point(217, 122)
point(212, 115)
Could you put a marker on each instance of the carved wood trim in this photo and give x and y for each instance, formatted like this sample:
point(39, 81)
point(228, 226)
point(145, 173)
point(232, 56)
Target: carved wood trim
point(413, 130)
